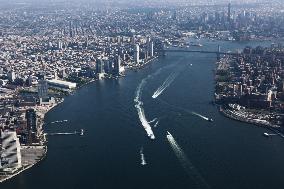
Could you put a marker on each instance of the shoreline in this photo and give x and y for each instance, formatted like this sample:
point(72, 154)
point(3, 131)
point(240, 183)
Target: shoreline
point(42, 111)
point(235, 117)
point(7, 177)
point(22, 169)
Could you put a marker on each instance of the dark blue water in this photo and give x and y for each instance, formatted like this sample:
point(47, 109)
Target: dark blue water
point(222, 154)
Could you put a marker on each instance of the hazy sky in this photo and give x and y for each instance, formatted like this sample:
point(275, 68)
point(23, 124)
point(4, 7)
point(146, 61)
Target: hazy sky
point(128, 3)
point(119, 1)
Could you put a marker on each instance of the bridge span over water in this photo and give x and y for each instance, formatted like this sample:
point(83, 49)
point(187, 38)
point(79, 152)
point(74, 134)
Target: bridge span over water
point(218, 53)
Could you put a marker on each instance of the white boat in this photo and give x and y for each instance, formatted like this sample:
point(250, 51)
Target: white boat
point(82, 132)
point(266, 134)
point(152, 136)
point(168, 133)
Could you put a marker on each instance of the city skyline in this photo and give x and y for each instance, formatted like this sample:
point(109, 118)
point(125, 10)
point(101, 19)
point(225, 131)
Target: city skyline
point(141, 94)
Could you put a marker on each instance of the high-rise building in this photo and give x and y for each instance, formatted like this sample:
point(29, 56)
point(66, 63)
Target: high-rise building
point(29, 80)
point(117, 63)
point(31, 120)
point(42, 89)
point(10, 154)
point(151, 49)
point(107, 67)
point(229, 12)
point(70, 29)
point(99, 66)
point(60, 45)
point(136, 53)
point(11, 76)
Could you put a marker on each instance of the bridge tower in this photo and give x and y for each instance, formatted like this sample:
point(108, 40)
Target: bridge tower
point(218, 53)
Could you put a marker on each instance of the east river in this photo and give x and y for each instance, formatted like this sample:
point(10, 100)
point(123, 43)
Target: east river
point(200, 154)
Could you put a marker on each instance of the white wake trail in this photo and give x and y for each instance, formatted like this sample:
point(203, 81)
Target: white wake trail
point(143, 161)
point(59, 121)
point(186, 163)
point(156, 124)
point(152, 121)
point(165, 84)
point(201, 116)
point(139, 104)
point(140, 110)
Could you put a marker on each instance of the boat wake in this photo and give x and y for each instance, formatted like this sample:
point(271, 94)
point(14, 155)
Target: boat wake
point(59, 121)
point(152, 121)
point(139, 104)
point(143, 161)
point(165, 85)
point(186, 163)
point(156, 124)
point(140, 109)
point(202, 117)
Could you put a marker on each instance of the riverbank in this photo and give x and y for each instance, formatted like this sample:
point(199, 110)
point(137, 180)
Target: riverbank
point(140, 66)
point(260, 123)
point(33, 154)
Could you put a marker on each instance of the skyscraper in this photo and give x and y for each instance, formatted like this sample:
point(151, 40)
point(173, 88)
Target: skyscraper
point(42, 89)
point(31, 120)
point(11, 76)
point(99, 66)
point(229, 12)
point(60, 45)
point(151, 49)
point(117, 63)
point(136, 54)
point(70, 29)
point(10, 154)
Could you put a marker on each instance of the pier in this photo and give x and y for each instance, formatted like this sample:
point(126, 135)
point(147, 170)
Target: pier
point(81, 133)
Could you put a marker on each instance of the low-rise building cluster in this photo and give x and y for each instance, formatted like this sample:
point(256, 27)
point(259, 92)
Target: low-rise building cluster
point(253, 79)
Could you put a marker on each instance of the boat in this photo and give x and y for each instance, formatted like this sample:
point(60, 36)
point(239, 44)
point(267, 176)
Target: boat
point(143, 162)
point(266, 134)
point(168, 133)
point(82, 132)
point(152, 136)
point(210, 120)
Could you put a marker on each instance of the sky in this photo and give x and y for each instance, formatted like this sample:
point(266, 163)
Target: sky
point(131, 3)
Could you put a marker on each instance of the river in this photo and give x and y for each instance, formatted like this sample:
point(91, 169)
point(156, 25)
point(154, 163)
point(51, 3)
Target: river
point(200, 154)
